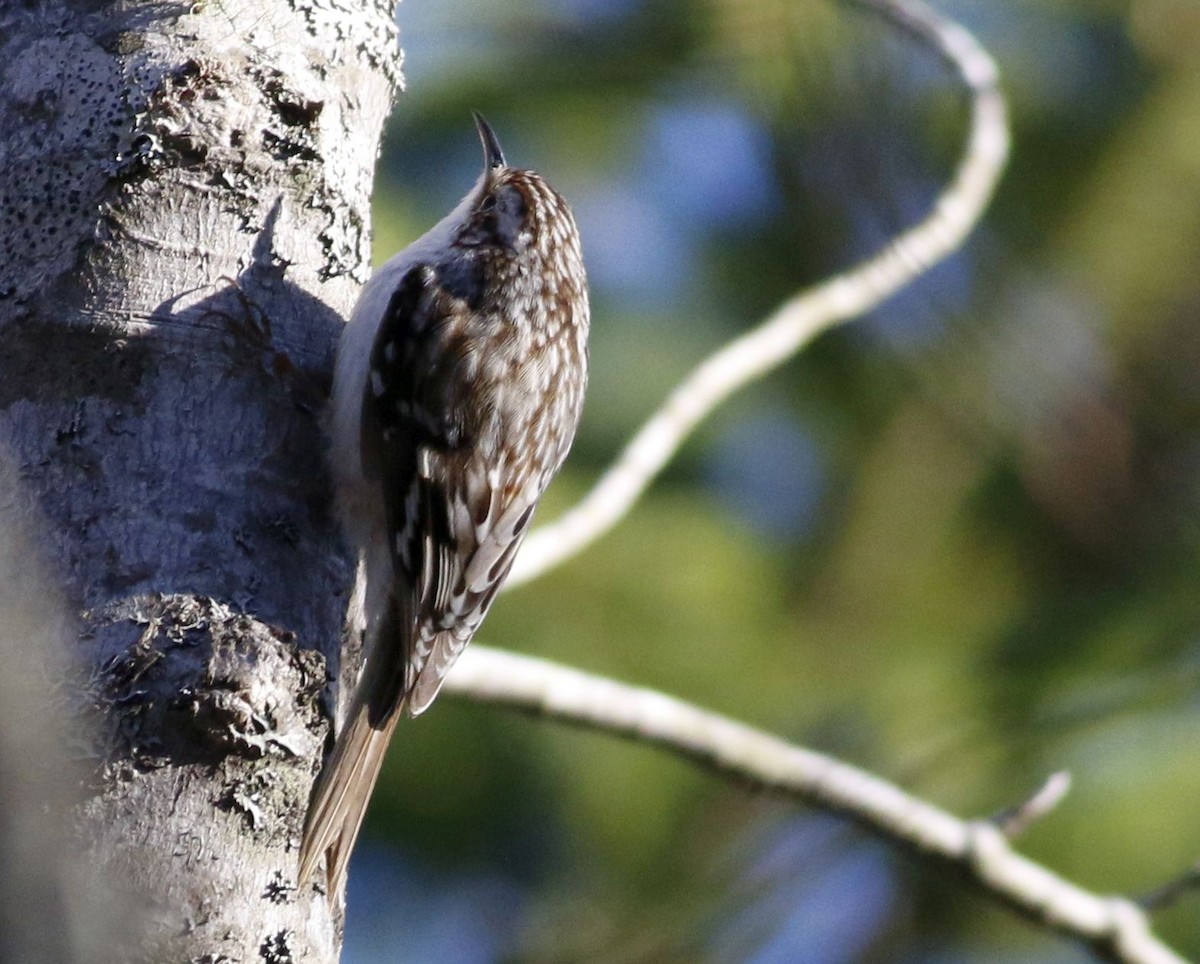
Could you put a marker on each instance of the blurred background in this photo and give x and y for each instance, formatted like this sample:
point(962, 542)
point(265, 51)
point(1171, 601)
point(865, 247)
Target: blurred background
point(955, 542)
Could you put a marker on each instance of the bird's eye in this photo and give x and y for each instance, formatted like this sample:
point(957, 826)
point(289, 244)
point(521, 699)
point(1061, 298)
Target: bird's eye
point(488, 204)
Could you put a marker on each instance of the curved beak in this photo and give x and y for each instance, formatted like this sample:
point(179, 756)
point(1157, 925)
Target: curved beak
point(493, 153)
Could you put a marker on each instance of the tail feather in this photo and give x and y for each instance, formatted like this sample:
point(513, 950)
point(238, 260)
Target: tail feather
point(342, 792)
point(343, 788)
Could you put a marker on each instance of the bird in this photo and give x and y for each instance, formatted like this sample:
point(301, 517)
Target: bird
point(458, 385)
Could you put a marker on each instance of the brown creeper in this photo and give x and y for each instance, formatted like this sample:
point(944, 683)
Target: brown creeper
point(458, 386)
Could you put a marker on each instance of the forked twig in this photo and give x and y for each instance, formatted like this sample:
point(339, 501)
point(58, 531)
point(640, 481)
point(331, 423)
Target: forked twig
point(1114, 928)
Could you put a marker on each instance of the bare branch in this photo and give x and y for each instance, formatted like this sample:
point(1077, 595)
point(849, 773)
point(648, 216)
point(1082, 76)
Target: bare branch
point(1173, 890)
point(1016, 820)
point(1114, 928)
point(799, 321)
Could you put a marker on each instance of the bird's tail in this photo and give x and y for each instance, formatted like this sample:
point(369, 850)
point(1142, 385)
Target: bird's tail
point(342, 792)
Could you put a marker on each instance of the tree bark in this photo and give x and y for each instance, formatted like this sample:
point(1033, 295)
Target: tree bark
point(183, 224)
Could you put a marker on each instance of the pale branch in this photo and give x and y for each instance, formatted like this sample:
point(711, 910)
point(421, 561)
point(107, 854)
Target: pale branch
point(491, 676)
point(798, 321)
point(1114, 928)
point(1014, 821)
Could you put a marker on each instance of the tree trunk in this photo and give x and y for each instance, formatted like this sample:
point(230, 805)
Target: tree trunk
point(183, 224)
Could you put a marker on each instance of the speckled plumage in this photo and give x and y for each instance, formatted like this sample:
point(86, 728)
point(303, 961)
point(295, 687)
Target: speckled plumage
point(458, 387)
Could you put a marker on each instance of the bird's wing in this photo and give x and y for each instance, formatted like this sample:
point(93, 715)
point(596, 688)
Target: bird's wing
point(460, 501)
point(488, 518)
point(417, 413)
point(414, 426)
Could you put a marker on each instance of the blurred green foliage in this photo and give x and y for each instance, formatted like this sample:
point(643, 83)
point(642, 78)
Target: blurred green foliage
point(956, 543)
